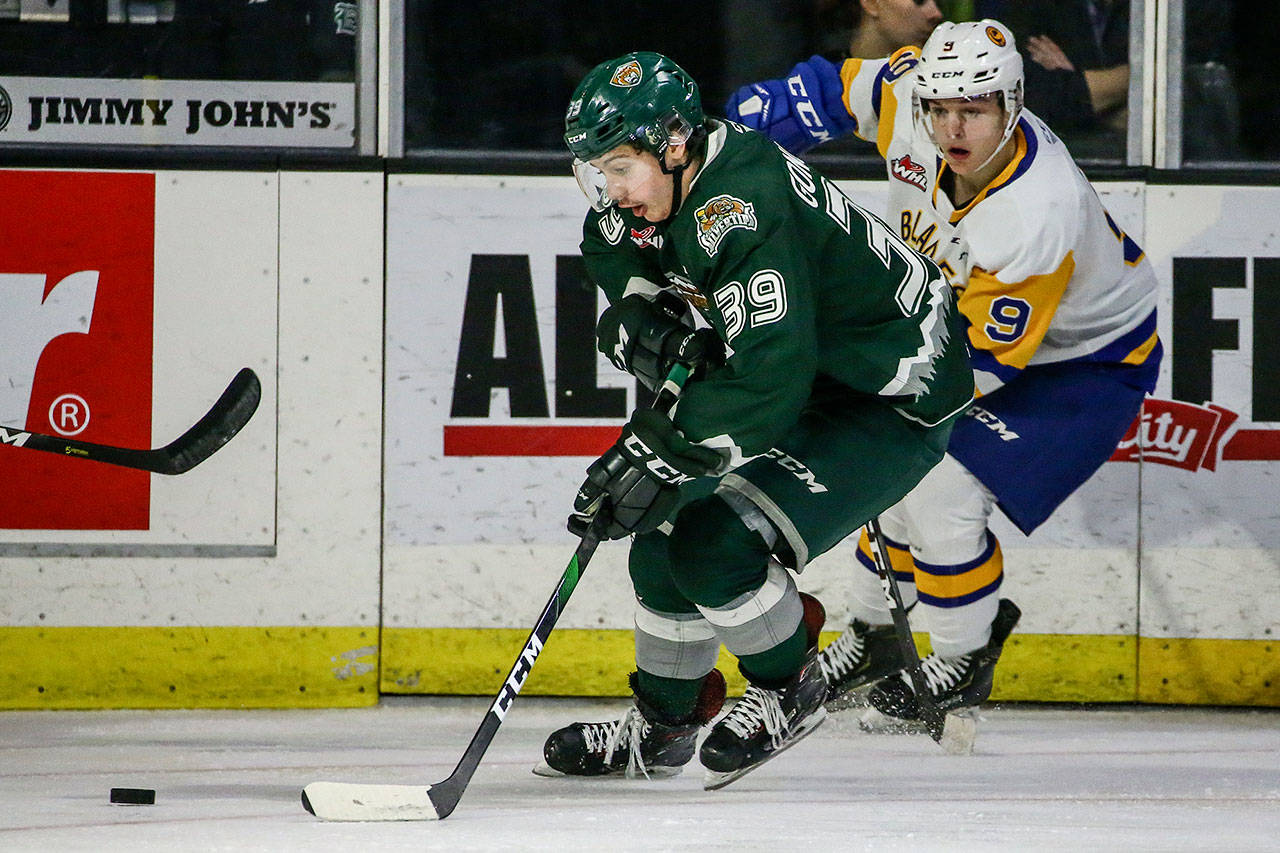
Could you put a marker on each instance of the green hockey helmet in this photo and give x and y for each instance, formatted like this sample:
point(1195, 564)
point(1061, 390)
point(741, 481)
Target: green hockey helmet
point(642, 98)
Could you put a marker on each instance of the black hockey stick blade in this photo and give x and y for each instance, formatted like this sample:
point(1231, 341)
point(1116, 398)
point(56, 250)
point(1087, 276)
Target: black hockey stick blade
point(219, 425)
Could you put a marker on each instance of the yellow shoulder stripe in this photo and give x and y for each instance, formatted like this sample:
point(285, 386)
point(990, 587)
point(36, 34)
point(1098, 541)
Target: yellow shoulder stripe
point(888, 112)
point(848, 71)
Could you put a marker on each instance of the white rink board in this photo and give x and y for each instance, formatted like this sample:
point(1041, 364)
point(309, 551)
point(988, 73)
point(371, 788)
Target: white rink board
point(1211, 538)
point(480, 541)
point(274, 529)
point(434, 226)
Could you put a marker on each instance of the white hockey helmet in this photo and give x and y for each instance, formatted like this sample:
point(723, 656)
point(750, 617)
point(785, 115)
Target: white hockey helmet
point(966, 60)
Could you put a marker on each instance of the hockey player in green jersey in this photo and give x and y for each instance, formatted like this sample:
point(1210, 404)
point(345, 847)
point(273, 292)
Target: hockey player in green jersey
point(830, 366)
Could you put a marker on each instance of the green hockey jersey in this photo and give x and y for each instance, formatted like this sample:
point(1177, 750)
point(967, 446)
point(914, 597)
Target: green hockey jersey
point(799, 282)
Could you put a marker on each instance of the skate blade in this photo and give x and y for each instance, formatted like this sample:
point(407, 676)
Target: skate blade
point(873, 721)
point(545, 770)
point(714, 781)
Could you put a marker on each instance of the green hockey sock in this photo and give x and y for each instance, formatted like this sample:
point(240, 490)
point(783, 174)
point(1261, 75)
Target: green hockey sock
point(774, 667)
point(674, 698)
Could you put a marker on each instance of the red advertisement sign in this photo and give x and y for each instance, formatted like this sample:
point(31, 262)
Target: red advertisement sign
point(76, 276)
point(1184, 435)
point(1171, 432)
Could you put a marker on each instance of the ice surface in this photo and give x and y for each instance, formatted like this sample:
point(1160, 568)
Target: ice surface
point(1041, 778)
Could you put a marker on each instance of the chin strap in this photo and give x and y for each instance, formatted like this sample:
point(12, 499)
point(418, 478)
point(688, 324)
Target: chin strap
point(677, 186)
point(677, 173)
point(1008, 134)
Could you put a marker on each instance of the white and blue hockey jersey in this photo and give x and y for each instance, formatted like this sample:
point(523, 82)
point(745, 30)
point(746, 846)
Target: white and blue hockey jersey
point(1044, 274)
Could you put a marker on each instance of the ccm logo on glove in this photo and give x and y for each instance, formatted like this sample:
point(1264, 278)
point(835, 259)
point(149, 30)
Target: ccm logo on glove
point(645, 455)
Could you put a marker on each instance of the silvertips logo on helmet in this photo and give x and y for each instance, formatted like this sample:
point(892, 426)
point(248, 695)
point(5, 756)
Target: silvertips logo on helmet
point(997, 37)
point(627, 75)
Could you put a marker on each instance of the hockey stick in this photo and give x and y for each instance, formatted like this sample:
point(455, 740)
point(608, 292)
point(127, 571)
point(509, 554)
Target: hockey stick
point(219, 425)
point(953, 733)
point(347, 801)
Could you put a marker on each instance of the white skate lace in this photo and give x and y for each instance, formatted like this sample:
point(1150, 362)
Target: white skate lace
point(626, 733)
point(843, 656)
point(943, 673)
point(756, 709)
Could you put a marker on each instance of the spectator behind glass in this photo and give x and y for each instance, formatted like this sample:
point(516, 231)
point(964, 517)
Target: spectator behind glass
point(1214, 89)
point(297, 40)
point(871, 29)
point(876, 28)
point(1077, 69)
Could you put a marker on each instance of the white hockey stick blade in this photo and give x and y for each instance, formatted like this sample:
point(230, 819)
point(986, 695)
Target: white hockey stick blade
point(959, 728)
point(959, 731)
point(346, 801)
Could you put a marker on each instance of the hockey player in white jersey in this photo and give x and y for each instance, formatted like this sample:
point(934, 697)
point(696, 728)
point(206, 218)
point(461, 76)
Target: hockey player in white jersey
point(1060, 307)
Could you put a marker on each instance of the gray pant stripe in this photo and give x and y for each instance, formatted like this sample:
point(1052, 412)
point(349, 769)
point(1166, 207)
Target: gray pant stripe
point(675, 645)
point(748, 490)
point(760, 620)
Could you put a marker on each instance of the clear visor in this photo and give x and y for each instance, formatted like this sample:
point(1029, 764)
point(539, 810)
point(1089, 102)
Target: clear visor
point(670, 129)
point(593, 185)
point(926, 118)
point(922, 116)
point(675, 128)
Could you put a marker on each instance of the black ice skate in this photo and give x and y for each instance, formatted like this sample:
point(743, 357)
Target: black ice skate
point(762, 724)
point(957, 682)
point(860, 656)
point(642, 743)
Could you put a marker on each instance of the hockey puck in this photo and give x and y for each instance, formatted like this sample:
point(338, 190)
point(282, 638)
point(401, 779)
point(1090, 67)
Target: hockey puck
point(133, 796)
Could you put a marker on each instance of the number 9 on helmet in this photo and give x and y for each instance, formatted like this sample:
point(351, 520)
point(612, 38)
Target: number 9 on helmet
point(968, 60)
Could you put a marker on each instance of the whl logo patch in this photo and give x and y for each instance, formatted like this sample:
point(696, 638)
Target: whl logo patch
point(720, 216)
point(909, 172)
point(644, 237)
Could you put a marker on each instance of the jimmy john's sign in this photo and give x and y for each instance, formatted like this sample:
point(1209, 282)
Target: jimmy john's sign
point(177, 112)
